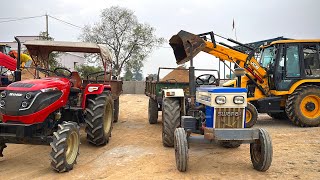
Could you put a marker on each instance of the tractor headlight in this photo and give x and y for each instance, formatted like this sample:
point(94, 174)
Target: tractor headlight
point(3, 94)
point(2, 103)
point(24, 104)
point(238, 99)
point(28, 96)
point(220, 99)
point(49, 89)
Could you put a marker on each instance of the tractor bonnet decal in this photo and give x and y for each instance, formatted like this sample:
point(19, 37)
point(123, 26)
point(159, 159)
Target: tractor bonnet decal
point(229, 113)
point(15, 94)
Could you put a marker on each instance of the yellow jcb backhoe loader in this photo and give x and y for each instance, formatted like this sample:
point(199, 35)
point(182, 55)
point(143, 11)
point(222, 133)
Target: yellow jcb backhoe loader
point(285, 82)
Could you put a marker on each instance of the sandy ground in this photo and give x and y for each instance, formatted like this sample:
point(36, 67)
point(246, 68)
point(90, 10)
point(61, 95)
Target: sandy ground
point(135, 151)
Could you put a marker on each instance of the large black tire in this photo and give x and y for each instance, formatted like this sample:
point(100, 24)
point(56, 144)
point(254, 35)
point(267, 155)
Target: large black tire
point(65, 147)
point(279, 116)
point(181, 149)
point(116, 104)
point(261, 151)
point(170, 120)
point(153, 111)
point(303, 106)
point(99, 118)
point(230, 144)
point(251, 115)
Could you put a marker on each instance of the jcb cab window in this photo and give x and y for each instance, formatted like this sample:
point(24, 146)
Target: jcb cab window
point(311, 60)
point(292, 61)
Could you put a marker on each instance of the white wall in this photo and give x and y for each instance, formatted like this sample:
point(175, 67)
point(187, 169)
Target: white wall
point(68, 59)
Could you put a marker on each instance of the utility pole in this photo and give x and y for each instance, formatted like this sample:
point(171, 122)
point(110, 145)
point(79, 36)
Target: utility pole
point(47, 27)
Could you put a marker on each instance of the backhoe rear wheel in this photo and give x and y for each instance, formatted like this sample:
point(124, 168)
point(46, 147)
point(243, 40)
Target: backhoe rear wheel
point(251, 115)
point(65, 147)
point(303, 106)
point(153, 111)
point(170, 120)
point(99, 118)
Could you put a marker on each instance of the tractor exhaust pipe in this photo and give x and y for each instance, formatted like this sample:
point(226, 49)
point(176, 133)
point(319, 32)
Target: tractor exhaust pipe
point(17, 72)
point(180, 44)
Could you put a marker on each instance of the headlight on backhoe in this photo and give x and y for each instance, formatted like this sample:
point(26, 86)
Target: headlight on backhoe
point(238, 99)
point(220, 99)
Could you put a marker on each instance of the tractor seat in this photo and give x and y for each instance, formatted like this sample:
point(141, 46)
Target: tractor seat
point(76, 81)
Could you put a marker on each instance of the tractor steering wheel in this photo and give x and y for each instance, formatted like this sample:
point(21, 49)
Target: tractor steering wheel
point(63, 72)
point(206, 79)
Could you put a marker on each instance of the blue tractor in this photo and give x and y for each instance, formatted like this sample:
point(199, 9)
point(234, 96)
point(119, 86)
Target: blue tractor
point(215, 114)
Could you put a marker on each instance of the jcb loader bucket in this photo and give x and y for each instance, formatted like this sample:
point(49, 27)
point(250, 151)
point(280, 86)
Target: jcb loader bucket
point(183, 43)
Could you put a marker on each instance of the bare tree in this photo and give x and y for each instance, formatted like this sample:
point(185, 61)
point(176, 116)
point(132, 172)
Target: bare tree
point(130, 40)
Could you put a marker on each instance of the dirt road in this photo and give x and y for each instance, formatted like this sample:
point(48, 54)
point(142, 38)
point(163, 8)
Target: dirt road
point(135, 151)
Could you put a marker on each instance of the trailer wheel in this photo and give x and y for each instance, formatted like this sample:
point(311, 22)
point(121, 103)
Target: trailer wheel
point(65, 147)
point(230, 144)
point(251, 115)
point(170, 120)
point(279, 116)
point(153, 111)
point(116, 110)
point(261, 151)
point(181, 149)
point(99, 118)
point(303, 106)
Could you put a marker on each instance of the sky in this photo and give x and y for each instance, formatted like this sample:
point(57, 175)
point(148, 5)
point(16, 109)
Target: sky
point(254, 21)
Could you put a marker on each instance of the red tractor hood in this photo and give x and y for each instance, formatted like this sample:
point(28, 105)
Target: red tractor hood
point(38, 84)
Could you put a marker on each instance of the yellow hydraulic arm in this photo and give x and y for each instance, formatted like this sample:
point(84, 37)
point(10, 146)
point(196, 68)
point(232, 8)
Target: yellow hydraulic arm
point(187, 45)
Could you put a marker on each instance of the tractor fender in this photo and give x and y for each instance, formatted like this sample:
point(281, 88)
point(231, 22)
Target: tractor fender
point(93, 89)
point(173, 93)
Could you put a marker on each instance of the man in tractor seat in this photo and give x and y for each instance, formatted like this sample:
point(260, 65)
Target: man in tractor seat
point(25, 60)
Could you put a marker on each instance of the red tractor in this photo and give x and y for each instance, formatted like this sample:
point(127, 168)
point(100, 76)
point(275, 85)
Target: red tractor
point(50, 110)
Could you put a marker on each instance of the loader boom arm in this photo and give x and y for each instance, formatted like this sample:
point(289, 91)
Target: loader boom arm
point(182, 42)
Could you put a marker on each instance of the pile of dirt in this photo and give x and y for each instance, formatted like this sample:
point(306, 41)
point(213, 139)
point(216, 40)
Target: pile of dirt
point(180, 74)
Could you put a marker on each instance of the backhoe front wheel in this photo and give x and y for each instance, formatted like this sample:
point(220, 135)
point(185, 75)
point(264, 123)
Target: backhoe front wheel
point(303, 106)
point(251, 115)
point(65, 147)
point(99, 118)
point(170, 120)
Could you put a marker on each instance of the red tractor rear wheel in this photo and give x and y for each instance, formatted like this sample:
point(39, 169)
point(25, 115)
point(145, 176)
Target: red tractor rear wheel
point(99, 118)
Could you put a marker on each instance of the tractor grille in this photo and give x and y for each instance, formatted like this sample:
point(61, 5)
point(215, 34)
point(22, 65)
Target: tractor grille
point(229, 118)
point(21, 85)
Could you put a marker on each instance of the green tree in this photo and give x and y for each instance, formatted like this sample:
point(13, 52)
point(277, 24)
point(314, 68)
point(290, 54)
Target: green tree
point(121, 31)
point(53, 63)
point(128, 75)
point(84, 69)
point(152, 76)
